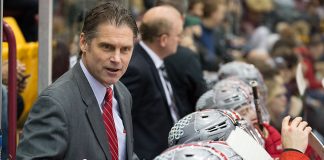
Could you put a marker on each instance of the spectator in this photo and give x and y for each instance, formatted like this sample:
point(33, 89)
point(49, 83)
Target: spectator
point(196, 8)
point(4, 123)
point(277, 103)
point(61, 62)
point(210, 45)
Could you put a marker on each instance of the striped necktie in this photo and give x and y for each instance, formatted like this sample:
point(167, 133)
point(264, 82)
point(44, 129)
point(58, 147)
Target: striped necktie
point(109, 123)
point(173, 108)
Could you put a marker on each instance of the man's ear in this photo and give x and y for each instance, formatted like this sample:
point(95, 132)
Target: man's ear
point(163, 40)
point(83, 43)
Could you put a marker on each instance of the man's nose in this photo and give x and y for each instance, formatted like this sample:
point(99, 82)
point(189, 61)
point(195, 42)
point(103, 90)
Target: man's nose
point(115, 57)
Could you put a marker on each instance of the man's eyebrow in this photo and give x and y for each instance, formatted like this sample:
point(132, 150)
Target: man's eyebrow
point(111, 44)
point(106, 43)
point(100, 32)
point(129, 46)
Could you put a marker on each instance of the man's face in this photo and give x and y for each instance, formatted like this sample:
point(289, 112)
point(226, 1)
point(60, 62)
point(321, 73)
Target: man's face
point(317, 51)
point(197, 9)
point(248, 113)
point(219, 15)
point(174, 36)
point(107, 55)
point(277, 105)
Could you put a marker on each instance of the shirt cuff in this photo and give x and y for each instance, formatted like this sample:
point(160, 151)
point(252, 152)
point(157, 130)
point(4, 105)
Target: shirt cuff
point(292, 149)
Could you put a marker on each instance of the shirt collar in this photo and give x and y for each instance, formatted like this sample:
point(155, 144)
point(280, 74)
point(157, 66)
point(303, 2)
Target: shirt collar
point(156, 59)
point(98, 89)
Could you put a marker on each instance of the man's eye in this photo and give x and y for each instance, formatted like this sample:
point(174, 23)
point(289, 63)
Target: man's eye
point(126, 49)
point(107, 47)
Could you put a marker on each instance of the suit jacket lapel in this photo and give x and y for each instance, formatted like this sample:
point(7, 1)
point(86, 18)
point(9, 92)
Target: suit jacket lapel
point(126, 117)
point(93, 112)
point(154, 71)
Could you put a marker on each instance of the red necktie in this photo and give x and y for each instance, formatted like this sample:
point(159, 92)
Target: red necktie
point(109, 122)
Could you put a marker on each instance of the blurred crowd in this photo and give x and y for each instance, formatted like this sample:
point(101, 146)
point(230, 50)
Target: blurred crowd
point(223, 46)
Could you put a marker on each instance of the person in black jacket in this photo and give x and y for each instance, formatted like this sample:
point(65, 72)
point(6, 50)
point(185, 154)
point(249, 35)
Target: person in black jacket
point(183, 67)
point(155, 106)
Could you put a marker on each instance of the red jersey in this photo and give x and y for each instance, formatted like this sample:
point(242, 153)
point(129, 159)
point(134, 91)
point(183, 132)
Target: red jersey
point(293, 155)
point(273, 141)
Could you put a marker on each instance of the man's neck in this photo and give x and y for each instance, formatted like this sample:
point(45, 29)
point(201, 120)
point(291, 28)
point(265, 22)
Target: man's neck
point(154, 48)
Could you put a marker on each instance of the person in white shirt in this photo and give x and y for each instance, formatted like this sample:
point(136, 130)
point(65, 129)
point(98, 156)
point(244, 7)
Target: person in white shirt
point(155, 106)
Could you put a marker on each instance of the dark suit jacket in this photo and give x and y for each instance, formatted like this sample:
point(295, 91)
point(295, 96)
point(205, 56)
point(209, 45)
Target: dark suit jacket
point(185, 74)
point(66, 122)
point(151, 115)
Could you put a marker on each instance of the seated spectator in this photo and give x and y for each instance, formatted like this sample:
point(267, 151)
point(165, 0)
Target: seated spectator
point(22, 78)
point(60, 60)
point(4, 123)
point(315, 87)
point(211, 46)
point(286, 61)
point(195, 8)
point(21, 82)
point(276, 102)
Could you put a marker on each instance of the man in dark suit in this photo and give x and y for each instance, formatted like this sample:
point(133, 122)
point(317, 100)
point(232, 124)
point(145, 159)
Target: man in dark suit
point(183, 67)
point(155, 108)
point(86, 113)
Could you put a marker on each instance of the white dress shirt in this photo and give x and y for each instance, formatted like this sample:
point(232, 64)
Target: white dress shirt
point(99, 91)
point(158, 62)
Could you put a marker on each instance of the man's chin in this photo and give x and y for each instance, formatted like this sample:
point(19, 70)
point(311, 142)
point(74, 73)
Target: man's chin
point(110, 82)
